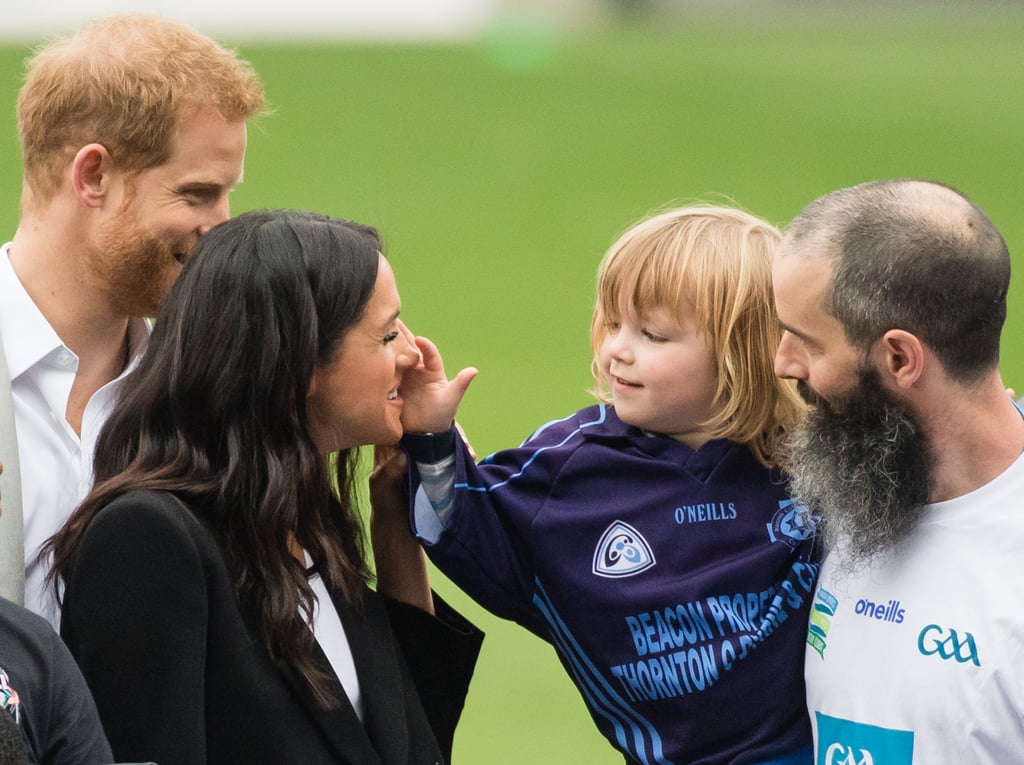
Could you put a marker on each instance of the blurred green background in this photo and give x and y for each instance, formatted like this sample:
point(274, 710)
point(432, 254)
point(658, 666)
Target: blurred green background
point(500, 169)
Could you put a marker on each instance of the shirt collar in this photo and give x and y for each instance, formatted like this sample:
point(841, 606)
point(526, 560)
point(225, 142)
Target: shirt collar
point(27, 336)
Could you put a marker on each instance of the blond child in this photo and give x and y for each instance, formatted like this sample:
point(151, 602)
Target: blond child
point(649, 538)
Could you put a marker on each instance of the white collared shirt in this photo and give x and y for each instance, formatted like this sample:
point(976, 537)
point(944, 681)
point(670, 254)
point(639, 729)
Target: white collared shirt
point(56, 464)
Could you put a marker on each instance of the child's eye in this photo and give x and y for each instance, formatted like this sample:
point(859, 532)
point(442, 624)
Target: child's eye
point(390, 336)
point(612, 326)
point(653, 336)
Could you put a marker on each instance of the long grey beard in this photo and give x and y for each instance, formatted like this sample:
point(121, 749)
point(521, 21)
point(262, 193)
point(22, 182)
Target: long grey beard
point(862, 466)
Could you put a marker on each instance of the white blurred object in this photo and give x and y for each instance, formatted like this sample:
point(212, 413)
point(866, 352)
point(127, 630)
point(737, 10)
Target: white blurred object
point(350, 19)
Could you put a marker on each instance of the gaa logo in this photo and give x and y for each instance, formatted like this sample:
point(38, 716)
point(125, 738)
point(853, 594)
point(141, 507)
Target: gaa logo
point(622, 551)
point(837, 754)
point(948, 645)
point(847, 742)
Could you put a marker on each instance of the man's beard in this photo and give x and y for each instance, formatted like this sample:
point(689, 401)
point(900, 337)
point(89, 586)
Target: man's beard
point(135, 268)
point(861, 464)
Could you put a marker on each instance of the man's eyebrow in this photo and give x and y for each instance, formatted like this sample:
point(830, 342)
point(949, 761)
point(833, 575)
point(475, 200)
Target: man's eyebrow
point(796, 333)
point(207, 181)
point(201, 187)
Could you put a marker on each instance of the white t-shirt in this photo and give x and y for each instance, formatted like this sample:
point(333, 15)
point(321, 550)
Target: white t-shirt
point(919, 659)
point(56, 464)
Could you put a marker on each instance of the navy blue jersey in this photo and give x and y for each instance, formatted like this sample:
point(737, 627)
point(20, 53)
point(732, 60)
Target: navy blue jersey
point(674, 584)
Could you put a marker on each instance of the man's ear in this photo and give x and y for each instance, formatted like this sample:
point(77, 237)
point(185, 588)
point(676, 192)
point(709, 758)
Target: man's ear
point(903, 357)
point(90, 174)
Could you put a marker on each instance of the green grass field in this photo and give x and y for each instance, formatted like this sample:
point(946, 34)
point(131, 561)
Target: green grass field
point(500, 170)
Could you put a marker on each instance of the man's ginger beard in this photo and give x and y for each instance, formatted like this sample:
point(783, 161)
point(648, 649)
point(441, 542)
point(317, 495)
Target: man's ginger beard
point(136, 268)
point(861, 464)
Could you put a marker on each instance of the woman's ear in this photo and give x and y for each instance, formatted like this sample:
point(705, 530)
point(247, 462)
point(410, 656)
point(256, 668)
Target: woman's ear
point(903, 357)
point(90, 174)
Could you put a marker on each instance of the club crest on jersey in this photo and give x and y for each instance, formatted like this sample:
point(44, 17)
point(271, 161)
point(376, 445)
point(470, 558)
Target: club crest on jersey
point(622, 551)
point(791, 524)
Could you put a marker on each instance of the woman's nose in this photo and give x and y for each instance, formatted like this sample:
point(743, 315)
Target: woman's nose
point(409, 354)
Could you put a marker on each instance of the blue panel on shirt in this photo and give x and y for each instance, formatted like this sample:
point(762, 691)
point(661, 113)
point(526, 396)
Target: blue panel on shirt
point(844, 742)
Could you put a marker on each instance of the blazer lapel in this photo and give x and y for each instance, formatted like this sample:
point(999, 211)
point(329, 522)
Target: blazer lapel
point(380, 679)
point(340, 726)
point(12, 540)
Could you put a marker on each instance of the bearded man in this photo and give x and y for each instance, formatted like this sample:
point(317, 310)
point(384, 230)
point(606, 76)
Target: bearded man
point(133, 133)
point(892, 298)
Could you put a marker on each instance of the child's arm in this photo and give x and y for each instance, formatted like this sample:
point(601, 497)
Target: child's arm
point(478, 521)
point(469, 536)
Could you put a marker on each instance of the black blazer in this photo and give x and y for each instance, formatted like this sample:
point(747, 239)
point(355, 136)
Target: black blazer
point(180, 677)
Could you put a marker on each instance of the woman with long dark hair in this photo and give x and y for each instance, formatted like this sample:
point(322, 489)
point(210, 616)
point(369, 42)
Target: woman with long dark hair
point(215, 586)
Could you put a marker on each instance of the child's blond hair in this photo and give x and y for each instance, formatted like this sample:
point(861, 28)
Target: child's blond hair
point(717, 260)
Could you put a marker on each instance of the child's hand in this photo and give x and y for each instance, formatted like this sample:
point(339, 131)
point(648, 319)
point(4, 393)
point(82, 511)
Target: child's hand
point(430, 398)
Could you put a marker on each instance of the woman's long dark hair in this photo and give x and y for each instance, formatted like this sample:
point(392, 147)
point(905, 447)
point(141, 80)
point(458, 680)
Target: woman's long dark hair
point(216, 415)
